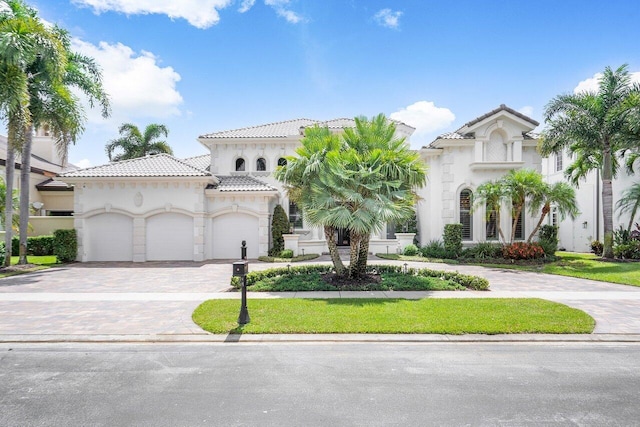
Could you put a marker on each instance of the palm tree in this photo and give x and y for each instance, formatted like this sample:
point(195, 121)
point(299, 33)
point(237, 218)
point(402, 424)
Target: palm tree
point(521, 186)
point(560, 195)
point(52, 76)
point(629, 203)
point(385, 174)
point(491, 195)
point(23, 40)
point(305, 180)
point(134, 144)
point(595, 127)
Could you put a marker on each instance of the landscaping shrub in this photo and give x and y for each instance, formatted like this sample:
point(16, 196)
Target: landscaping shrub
point(597, 247)
point(483, 250)
point(40, 245)
point(629, 250)
point(2, 254)
point(287, 253)
point(452, 238)
point(621, 236)
point(434, 249)
point(411, 250)
point(279, 226)
point(300, 277)
point(548, 239)
point(522, 250)
point(65, 245)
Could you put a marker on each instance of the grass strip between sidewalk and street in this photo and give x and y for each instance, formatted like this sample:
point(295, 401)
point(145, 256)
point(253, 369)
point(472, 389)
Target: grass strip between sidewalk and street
point(394, 316)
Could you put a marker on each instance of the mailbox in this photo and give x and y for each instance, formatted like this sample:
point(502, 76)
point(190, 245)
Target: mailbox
point(240, 268)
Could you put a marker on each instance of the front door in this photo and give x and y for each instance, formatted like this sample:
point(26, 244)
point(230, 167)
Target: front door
point(343, 237)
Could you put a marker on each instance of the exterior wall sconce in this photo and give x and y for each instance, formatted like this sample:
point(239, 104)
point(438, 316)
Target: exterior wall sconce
point(584, 224)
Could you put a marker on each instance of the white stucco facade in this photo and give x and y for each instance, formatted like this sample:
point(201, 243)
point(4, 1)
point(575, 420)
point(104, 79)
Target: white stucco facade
point(162, 208)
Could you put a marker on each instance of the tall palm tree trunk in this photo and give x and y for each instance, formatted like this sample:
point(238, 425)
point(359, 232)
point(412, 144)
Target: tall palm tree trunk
point(363, 254)
point(354, 252)
point(25, 172)
point(8, 206)
point(545, 210)
point(607, 202)
point(329, 235)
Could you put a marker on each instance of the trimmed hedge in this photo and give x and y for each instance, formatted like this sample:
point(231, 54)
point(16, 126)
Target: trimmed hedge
point(36, 245)
point(469, 282)
point(65, 245)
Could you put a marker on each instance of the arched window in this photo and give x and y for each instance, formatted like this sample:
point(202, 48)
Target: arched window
point(261, 165)
point(240, 164)
point(466, 219)
point(282, 161)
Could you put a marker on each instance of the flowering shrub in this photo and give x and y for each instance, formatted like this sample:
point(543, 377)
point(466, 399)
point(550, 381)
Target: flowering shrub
point(523, 250)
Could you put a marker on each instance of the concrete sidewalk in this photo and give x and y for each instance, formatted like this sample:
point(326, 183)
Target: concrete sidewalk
point(154, 301)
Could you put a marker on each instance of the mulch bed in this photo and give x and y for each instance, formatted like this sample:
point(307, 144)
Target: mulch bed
point(351, 284)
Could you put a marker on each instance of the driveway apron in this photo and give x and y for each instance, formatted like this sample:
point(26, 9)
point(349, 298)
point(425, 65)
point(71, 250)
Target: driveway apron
point(157, 298)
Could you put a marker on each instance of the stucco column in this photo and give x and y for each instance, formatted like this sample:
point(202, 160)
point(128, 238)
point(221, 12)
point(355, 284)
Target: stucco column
point(404, 240)
point(139, 240)
point(263, 225)
point(291, 242)
point(198, 238)
point(479, 145)
point(517, 151)
point(78, 224)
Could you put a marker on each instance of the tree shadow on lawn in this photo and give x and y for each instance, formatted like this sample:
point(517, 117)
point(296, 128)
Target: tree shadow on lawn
point(360, 302)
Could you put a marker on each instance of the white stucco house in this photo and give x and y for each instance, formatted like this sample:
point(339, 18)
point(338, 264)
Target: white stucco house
point(199, 208)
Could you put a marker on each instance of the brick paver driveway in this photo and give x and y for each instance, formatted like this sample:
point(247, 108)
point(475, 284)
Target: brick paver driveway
point(157, 298)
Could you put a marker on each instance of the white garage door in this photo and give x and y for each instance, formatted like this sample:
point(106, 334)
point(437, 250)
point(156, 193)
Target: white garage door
point(169, 237)
point(110, 237)
point(229, 231)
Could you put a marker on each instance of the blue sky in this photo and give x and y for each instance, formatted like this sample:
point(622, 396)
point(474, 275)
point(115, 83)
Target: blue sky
point(200, 66)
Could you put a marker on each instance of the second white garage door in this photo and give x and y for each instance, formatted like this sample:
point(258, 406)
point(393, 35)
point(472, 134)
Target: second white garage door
point(169, 237)
point(228, 232)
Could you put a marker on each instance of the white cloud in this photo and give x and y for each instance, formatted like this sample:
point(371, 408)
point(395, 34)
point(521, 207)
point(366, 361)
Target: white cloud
point(199, 13)
point(246, 5)
point(136, 83)
point(84, 163)
point(388, 18)
point(282, 10)
point(425, 117)
point(592, 84)
point(527, 110)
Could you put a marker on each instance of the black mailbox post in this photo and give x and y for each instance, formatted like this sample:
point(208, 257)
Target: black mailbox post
point(241, 269)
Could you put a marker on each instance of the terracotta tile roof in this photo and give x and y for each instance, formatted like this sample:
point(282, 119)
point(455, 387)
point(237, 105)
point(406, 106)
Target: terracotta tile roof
point(502, 107)
point(53, 185)
point(284, 129)
point(202, 162)
point(454, 135)
point(234, 183)
point(159, 165)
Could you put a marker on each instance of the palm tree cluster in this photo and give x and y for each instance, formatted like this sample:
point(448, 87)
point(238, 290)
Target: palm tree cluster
point(358, 180)
point(38, 73)
point(524, 188)
point(133, 143)
point(598, 128)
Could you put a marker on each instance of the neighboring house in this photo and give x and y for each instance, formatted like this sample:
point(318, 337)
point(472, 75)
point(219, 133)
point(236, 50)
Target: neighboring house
point(52, 200)
point(163, 208)
point(577, 235)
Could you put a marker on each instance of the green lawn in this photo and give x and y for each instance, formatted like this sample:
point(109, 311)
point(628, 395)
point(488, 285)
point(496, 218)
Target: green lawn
point(394, 316)
point(581, 265)
point(41, 263)
point(585, 266)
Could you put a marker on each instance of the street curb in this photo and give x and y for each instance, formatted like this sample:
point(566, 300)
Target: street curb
point(319, 338)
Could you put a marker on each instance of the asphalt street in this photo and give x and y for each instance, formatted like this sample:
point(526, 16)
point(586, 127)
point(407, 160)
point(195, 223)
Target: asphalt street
point(353, 384)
